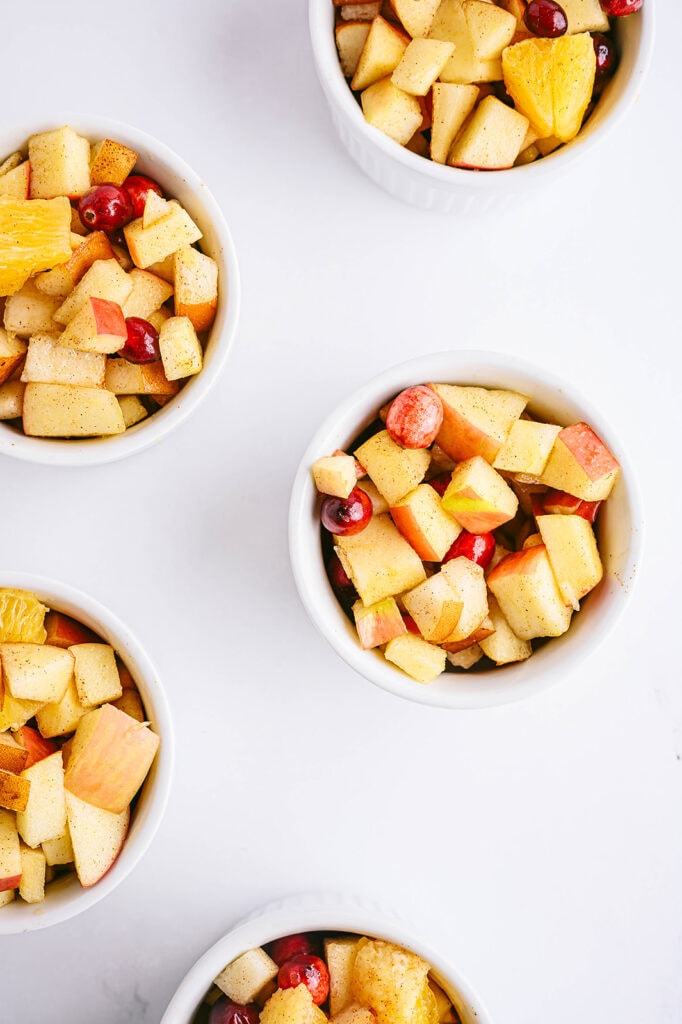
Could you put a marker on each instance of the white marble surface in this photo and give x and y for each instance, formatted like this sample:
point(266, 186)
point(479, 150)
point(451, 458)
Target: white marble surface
point(539, 845)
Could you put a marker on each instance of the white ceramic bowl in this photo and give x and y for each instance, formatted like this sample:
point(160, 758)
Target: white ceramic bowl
point(619, 531)
point(432, 186)
point(318, 912)
point(65, 897)
point(180, 182)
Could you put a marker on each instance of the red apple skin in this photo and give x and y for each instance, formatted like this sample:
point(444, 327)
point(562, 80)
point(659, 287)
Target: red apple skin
point(588, 450)
point(404, 519)
point(11, 882)
point(562, 503)
point(109, 319)
point(63, 631)
point(37, 747)
point(522, 562)
point(290, 946)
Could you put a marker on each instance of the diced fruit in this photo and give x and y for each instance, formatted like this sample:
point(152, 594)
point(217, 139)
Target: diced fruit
point(491, 28)
point(59, 410)
point(562, 503)
point(36, 671)
point(528, 595)
point(351, 37)
point(503, 646)
point(45, 814)
point(49, 362)
point(292, 1006)
point(378, 623)
point(581, 464)
point(354, 1014)
point(137, 186)
point(10, 853)
point(492, 137)
point(196, 287)
point(125, 378)
point(416, 15)
point(155, 208)
point(415, 416)
point(423, 522)
point(464, 659)
point(478, 497)
point(392, 110)
point(105, 208)
point(585, 16)
point(63, 717)
point(142, 341)
point(32, 885)
point(34, 236)
point(98, 327)
point(381, 54)
point(165, 236)
point(467, 583)
point(180, 348)
point(17, 182)
point(394, 470)
point(97, 837)
point(111, 162)
point(105, 279)
point(12, 352)
point(573, 555)
point(63, 631)
point(546, 18)
point(309, 970)
point(60, 164)
point(14, 791)
point(58, 851)
point(435, 607)
point(15, 713)
point(130, 702)
point(527, 448)
point(110, 758)
point(476, 421)
point(29, 311)
point(244, 978)
point(391, 981)
point(452, 104)
point(11, 399)
point(340, 954)
point(421, 64)
point(335, 475)
point(366, 556)
point(345, 517)
point(13, 756)
point(477, 547)
point(416, 657)
point(62, 279)
point(379, 503)
point(483, 630)
point(95, 673)
point(149, 293)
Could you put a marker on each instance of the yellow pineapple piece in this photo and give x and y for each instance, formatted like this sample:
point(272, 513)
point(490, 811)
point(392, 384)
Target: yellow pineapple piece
point(572, 82)
point(21, 617)
point(394, 983)
point(35, 234)
point(292, 1006)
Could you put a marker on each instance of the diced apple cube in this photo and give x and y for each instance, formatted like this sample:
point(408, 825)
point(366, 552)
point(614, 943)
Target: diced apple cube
point(421, 64)
point(379, 561)
point(132, 409)
point(573, 554)
point(378, 623)
point(17, 182)
point(33, 865)
point(528, 595)
point(11, 399)
point(99, 326)
point(131, 703)
point(111, 162)
point(478, 497)
point(581, 464)
point(481, 632)
point(15, 713)
point(36, 671)
point(149, 293)
point(58, 851)
point(452, 104)
point(339, 955)
point(12, 352)
point(467, 582)
point(492, 137)
point(45, 814)
point(476, 421)
point(124, 378)
point(59, 410)
point(394, 112)
point(196, 287)
point(50, 362)
point(416, 15)
point(423, 522)
point(381, 54)
point(503, 646)
point(97, 837)
point(162, 238)
point(14, 791)
point(181, 352)
point(416, 657)
point(351, 37)
point(379, 503)
point(29, 311)
point(244, 978)
point(62, 279)
point(527, 448)
point(60, 164)
point(491, 28)
point(335, 475)
point(465, 658)
point(95, 673)
point(61, 718)
point(105, 279)
point(394, 470)
point(354, 1014)
point(585, 16)
point(435, 607)
point(10, 852)
point(360, 12)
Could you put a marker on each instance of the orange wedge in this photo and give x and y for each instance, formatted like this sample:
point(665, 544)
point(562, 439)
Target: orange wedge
point(34, 235)
point(551, 82)
point(21, 617)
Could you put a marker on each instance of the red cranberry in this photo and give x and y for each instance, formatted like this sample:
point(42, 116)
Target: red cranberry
point(291, 946)
point(345, 516)
point(342, 585)
point(414, 417)
point(545, 18)
point(607, 58)
point(440, 483)
point(105, 208)
point(477, 547)
point(307, 970)
point(137, 187)
point(225, 1012)
point(620, 8)
point(142, 345)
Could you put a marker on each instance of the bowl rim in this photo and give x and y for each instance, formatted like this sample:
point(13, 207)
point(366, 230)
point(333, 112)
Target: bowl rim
point(314, 912)
point(341, 98)
point(468, 367)
point(99, 451)
point(19, 917)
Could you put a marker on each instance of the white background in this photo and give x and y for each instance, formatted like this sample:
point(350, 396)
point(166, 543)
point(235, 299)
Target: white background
point(538, 845)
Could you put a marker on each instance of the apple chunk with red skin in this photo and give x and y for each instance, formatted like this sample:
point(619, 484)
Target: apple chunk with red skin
point(97, 837)
point(581, 464)
point(478, 498)
point(563, 503)
point(63, 631)
point(378, 623)
point(110, 758)
point(528, 594)
point(476, 421)
point(36, 671)
point(10, 855)
point(98, 327)
point(423, 522)
point(573, 554)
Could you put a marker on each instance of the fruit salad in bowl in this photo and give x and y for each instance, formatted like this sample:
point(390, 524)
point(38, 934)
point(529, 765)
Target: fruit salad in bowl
point(462, 535)
point(313, 959)
point(85, 752)
point(119, 292)
point(423, 92)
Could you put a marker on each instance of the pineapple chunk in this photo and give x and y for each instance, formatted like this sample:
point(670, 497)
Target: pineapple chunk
point(393, 982)
point(292, 1006)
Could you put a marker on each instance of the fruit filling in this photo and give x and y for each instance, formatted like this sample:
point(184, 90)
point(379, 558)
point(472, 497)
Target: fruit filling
point(479, 84)
point(75, 748)
point(343, 979)
point(472, 549)
point(105, 296)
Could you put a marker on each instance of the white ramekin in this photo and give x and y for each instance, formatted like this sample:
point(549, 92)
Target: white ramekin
point(318, 912)
point(432, 186)
point(65, 897)
point(620, 533)
point(180, 182)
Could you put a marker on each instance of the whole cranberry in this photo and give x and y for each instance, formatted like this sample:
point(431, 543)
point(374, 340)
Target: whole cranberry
point(477, 547)
point(105, 208)
point(346, 516)
point(290, 946)
point(225, 1012)
point(137, 186)
point(545, 18)
point(142, 345)
point(620, 8)
point(414, 417)
point(607, 57)
point(307, 970)
point(440, 483)
point(342, 585)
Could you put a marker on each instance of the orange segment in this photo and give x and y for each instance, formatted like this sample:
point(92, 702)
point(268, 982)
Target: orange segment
point(527, 73)
point(572, 82)
point(34, 235)
point(21, 617)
